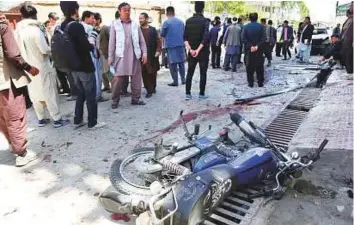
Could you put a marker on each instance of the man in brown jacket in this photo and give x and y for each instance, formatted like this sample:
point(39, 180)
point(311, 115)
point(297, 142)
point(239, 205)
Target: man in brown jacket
point(13, 81)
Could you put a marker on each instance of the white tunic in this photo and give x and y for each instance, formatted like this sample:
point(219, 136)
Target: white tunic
point(35, 51)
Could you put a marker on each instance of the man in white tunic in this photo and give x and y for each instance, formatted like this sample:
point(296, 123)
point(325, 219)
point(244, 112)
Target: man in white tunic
point(35, 50)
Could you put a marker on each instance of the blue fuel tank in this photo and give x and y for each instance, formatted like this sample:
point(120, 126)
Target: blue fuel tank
point(208, 160)
point(252, 164)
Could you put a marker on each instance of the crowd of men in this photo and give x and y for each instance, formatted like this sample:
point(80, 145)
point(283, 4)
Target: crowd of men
point(85, 55)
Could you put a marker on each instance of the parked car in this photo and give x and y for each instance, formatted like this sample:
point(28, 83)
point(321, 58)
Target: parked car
point(320, 41)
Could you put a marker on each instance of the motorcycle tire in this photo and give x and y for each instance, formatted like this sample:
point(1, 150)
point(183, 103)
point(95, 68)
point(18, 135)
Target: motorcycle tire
point(122, 186)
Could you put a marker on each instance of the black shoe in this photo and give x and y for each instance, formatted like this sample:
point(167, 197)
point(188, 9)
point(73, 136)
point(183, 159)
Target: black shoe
point(260, 85)
point(233, 70)
point(285, 59)
point(250, 85)
point(148, 95)
point(218, 67)
point(172, 85)
point(106, 89)
point(138, 103)
point(269, 64)
point(154, 91)
point(213, 67)
point(183, 82)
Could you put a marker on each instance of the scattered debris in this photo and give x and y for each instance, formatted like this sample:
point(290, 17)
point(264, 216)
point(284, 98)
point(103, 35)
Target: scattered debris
point(307, 188)
point(105, 160)
point(45, 145)
point(13, 211)
point(67, 144)
point(117, 216)
point(30, 129)
point(340, 208)
point(54, 161)
point(96, 194)
point(47, 158)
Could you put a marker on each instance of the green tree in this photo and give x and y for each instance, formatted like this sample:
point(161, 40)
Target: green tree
point(288, 6)
point(228, 7)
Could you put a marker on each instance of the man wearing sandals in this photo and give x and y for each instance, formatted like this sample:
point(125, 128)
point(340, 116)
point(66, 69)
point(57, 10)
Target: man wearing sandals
point(126, 48)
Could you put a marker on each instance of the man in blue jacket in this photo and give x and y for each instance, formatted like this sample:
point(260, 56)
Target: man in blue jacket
point(172, 31)
point(253, 37)
point(287, 37)
point(215, 46)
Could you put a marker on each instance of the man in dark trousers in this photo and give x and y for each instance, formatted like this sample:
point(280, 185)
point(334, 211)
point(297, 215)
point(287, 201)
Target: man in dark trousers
point(153, 44)
point(215, 45)
point(287, 37)
point(271, 36)
point(253, 37)
point(196, 37)
point(279, 45)
point(84, 76)
point(347, 41)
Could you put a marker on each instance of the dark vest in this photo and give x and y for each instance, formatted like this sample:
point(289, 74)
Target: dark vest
point(152, 45)
point(195, 30)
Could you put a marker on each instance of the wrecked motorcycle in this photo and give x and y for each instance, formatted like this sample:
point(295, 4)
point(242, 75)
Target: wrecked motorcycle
point(182, 194)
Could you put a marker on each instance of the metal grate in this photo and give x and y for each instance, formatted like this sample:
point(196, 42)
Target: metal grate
point(305, 100)
point(282, 129)
point(236, 209)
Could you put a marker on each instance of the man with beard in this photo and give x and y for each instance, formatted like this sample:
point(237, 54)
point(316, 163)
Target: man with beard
point(153, 44)
point(305, 40)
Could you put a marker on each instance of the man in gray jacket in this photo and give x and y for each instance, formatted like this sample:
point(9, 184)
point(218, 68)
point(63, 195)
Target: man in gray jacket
point(13, 81)
point(232, 42)
point(271, 36)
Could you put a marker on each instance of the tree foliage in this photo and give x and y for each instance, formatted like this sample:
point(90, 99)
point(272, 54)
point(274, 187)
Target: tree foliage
point(290, 5)
point(228, 7)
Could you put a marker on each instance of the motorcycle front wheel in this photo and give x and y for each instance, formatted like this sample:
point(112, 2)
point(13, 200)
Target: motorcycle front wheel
point(124, 176)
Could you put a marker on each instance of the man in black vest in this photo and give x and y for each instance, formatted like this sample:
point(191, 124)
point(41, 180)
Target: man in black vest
point(196, 37)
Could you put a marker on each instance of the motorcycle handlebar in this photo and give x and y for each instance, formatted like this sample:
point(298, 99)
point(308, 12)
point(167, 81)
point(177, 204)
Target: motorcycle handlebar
point(236, 118)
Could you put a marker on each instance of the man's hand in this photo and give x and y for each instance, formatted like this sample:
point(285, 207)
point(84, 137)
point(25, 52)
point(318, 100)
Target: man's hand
point(192, 52)
point(144, 60)
point(196, 53)
point(110, 62)
point(254, 48)
point(33, 71)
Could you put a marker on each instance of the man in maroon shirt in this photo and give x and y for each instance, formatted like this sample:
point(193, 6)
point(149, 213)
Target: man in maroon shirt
point(13, 81)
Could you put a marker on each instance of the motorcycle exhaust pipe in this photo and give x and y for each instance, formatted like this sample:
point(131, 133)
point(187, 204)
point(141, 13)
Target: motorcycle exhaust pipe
point(247, 129)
